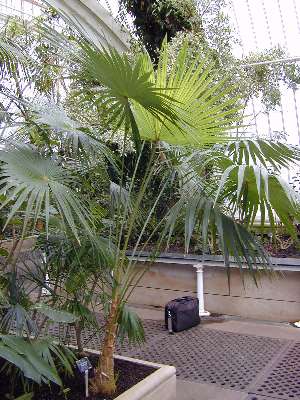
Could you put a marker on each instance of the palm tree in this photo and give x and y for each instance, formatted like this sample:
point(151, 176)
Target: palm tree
point(186, 120)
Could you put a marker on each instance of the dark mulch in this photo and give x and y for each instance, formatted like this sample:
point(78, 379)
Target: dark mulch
point(128, 374)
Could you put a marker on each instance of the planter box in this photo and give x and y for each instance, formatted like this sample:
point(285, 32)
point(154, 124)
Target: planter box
point(160, 385)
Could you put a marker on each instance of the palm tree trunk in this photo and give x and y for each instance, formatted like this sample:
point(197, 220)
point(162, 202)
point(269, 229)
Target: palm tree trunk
point(78, 331)
point(104, 381)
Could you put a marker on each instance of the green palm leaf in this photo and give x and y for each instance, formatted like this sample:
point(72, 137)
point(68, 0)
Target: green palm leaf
point(212, 109)
point(117, 83)
point(13, 59)
point(35, 359)
point(59, 316)
point(201, 215)
point(26, 396)
point(75, 138)
point(269, 154)
point(21, 353)
point(121, 84)
point(249, 187)
point(130, 326)
point(35, 184)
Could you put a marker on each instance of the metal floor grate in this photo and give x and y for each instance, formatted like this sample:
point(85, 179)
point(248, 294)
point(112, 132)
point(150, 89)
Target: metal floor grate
point(258, 397)
point(226, 359)
point(268, 368)
point(283, 381)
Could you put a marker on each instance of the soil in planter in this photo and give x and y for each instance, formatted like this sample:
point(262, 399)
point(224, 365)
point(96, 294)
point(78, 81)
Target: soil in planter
point(128, 374)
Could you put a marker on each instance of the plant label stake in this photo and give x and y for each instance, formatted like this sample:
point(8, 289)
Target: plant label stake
point(83, 366)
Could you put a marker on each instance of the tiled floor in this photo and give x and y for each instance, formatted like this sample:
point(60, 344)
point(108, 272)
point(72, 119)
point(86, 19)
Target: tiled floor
point(228, 360)
point(225, 359)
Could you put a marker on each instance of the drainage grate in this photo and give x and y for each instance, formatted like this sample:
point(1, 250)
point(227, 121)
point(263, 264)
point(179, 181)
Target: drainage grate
point(258, 397)
point(226, 359)
point(270, 368)
point(154, 330)
point(66, 333)
point(284, 380)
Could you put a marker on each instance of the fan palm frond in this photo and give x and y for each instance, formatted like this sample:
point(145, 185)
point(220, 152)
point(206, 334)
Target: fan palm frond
point(12, 57)
point(120, 198)
point(117, 82)
point(245, 177)
point(34, 183)
point(250, 182)
point(36, 359)
point(75, 137)
point(262, 152)
point(259, 196)
point(130, 326)
point(199, 214)
point(212, 109)
point(121, 84)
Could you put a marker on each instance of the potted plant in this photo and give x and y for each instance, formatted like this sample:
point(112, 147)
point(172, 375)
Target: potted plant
point(173, 117)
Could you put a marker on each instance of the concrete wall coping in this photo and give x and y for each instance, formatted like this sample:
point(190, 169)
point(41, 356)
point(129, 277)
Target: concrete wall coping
point(280, 264)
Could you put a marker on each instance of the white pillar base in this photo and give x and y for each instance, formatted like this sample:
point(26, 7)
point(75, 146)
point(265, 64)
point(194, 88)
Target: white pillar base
point(204, 313)
point(200, 291)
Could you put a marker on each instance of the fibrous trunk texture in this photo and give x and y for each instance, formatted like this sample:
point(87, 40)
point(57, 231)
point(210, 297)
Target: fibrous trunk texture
point(104, 381)
point(78, 331)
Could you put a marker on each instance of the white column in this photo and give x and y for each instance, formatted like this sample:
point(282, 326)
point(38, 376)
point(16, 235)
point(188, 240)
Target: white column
point(200, 290)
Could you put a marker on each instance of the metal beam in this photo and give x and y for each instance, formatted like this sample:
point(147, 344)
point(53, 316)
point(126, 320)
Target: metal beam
point(278, 61)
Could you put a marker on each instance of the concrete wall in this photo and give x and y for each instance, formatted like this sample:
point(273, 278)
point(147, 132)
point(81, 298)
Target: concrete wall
point(24, 245)
point(276, 298)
